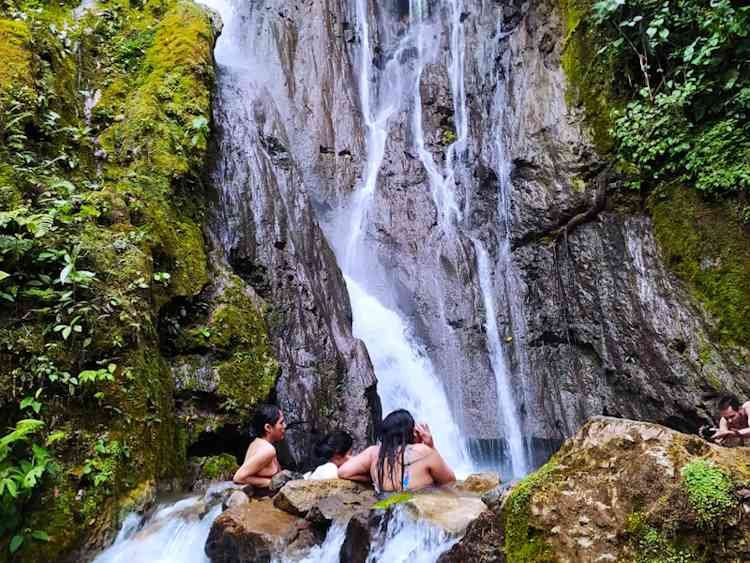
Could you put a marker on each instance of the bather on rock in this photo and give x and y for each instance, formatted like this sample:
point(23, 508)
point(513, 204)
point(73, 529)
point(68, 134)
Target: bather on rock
point(331, 453)
point(261, 463)
point(735, 420)
point(405, 459)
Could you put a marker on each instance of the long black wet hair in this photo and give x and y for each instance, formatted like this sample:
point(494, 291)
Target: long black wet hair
point(337, 442)
point(264, 414)
point(396, 432)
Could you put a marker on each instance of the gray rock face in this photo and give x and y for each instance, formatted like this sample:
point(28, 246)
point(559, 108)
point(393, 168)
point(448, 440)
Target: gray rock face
point(590, 319)
point(264, 228)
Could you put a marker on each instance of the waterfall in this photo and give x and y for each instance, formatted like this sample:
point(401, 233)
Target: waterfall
point(380, 103)
point(403, 369)
point(506, 403)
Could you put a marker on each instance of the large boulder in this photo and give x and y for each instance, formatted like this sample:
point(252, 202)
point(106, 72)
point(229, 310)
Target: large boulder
point(621, 490)
point(257, 532)
point(335, 498)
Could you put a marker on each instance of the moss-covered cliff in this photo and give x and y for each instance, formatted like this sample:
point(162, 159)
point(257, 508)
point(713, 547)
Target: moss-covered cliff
point(663, 110)
point(105, 127)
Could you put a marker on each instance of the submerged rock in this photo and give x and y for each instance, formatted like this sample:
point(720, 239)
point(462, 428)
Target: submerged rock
point(621, 490)
point(255, 532)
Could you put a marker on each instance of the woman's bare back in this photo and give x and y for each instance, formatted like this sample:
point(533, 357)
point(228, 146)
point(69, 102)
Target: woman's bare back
point(423, 467)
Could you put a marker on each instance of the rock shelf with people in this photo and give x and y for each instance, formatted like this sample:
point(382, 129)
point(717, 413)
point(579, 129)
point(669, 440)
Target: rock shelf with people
point(402, 475)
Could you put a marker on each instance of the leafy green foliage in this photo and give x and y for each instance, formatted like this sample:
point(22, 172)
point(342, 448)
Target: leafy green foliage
point(23, 465)
point(709, 491)
point(393, 500)
point(684, 66)
point(102, 466)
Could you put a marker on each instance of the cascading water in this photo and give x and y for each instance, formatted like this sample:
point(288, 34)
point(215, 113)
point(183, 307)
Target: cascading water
point(175, 533)
point(404, 371)
point(423, 35)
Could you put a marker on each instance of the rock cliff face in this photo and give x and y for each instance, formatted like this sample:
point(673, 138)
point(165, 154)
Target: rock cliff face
point(264, 228)
point(621, 490)
point(592, 322)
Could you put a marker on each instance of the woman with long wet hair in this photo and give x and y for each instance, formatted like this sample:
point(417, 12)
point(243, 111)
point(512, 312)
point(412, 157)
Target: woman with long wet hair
point(405, 459)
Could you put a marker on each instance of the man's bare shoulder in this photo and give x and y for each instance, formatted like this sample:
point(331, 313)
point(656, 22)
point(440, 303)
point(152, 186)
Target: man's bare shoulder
point(262, 447)
point(746, 407)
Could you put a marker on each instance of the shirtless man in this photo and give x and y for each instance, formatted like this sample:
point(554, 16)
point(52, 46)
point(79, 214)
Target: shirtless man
point(405, 459)
point(735, 419)
point(260, 460)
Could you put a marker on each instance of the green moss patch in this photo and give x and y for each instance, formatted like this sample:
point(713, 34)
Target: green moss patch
point(589, 76)
point(15, 54)
point(219, 468)
point(709, 491)
point(707, 246)
point(652, 546)
point(522, 542)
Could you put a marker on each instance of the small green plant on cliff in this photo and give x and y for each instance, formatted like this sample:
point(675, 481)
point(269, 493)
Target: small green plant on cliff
point(682, 66)
point(709, 491)
point(651, 546)
point(101, 467)
point(23, 464)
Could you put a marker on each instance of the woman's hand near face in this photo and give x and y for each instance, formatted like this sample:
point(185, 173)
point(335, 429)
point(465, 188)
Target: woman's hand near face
point(423, 434)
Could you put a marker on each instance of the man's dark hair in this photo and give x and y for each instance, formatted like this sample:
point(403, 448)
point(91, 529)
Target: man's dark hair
point(264, 414)
point(729, 401)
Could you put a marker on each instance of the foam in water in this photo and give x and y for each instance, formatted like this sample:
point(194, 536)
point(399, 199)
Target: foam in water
point(406, 540)
point(177, 533)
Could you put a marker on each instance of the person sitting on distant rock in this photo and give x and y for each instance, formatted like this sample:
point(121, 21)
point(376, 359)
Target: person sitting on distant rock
point(331, 453)
point(734, 421)
point(405, 459)
point(260, 463)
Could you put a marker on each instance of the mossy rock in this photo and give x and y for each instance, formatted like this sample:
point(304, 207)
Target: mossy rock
point(144, 205)
point(217, 468)
point(240, 367)
point(589, 76)
point(16, 54)
point(623, 490)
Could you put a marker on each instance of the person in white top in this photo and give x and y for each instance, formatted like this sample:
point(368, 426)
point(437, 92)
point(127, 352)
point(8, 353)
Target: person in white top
point(331, 453)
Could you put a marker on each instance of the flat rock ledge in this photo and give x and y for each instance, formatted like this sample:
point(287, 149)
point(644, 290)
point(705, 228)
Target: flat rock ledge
point(298, 518)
